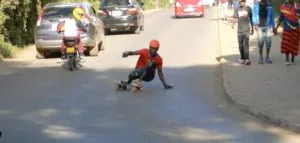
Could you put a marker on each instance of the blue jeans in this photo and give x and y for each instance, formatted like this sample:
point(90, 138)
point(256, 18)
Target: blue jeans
point(264, 34)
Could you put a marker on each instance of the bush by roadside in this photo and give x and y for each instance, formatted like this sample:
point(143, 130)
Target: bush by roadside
point(7, 50)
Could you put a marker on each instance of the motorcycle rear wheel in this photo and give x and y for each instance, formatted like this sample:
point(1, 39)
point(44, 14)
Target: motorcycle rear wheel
point(71, 63)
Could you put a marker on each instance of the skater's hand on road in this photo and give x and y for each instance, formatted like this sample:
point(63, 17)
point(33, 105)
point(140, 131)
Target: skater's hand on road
point(168, 86)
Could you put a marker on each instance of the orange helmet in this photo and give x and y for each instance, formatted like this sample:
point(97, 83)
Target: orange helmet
point(154, 44)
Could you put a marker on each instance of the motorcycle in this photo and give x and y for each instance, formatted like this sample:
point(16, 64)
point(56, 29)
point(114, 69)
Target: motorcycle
point(72, 55)
point(70, 39)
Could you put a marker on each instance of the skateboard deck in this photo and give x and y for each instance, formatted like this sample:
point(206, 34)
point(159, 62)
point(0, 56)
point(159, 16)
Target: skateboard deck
point(124, 87)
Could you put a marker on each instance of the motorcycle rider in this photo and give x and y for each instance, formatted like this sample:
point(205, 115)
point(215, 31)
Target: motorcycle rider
point(78, 14)
point(146, 65)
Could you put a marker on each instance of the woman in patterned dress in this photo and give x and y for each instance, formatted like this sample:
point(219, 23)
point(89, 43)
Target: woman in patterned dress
point(291, 32)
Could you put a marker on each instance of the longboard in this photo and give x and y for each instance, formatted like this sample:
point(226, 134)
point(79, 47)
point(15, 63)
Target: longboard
point(124, 87)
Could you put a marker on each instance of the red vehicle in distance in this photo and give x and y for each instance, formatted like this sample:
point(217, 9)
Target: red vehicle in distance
point(187, 8)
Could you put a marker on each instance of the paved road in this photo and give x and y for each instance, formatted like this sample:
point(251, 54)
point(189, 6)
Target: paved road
point(42, 102)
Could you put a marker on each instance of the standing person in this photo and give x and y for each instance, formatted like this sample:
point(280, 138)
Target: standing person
point(263, 19)
point(244, 16)
point(291, 32)
point(224, 7)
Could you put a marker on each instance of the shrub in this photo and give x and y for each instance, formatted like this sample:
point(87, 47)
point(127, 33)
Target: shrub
point(7, 50)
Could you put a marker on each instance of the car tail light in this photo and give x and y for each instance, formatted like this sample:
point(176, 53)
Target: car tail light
point(132, 11)
point(39, 20)
point(178, 4)
point(102, 13)
point(200, 3)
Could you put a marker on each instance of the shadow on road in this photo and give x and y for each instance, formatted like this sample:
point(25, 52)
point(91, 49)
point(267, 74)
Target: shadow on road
point(36, 108)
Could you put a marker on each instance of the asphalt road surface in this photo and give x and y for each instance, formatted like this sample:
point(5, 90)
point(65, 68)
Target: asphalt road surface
point(42, 102)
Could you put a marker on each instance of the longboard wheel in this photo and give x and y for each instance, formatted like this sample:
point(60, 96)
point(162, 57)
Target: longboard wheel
point(124, 87)
point(119, 86)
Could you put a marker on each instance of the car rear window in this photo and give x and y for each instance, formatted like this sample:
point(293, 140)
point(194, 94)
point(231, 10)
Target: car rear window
point(58, 12)
point(107, 3)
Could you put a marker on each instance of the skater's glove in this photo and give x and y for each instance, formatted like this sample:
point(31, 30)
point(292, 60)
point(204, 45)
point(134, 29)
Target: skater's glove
point(125, 54)
point(168, 86)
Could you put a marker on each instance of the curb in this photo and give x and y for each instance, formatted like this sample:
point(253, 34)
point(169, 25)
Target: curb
point(254, 111)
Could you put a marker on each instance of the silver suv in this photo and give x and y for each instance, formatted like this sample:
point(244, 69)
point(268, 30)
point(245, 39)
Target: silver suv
point(47, 39)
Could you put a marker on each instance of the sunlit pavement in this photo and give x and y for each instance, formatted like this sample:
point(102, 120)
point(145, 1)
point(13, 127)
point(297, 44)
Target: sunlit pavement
point(41, 101)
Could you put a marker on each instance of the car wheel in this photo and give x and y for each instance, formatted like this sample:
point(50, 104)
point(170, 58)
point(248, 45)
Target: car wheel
point(142, 28)
point(138, 30)
point(107, 31)
point(135, 30)
point(40, 54)
point(94, 51)
point(101, 46)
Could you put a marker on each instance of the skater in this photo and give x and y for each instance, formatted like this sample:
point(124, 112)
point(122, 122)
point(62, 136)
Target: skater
point(147, 63)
